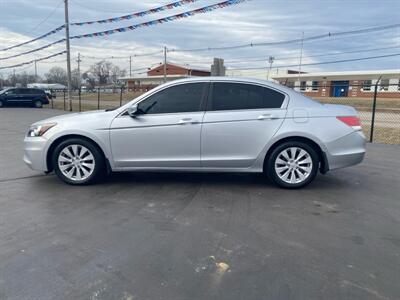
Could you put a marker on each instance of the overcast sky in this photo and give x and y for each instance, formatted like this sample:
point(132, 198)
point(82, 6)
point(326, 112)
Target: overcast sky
point(252, 21)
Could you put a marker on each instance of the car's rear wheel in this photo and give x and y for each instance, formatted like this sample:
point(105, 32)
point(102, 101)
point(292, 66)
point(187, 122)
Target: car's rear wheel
point(38, 104)
point(78, 162)
point(293, 164)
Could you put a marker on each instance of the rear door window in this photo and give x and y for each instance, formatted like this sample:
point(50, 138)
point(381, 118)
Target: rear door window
point(238, 96)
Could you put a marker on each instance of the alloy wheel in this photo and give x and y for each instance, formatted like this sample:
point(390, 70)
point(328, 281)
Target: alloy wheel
point(293, 165)
point(76, 162)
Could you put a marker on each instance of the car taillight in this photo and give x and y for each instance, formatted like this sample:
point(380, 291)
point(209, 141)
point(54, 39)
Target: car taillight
point(351, 121)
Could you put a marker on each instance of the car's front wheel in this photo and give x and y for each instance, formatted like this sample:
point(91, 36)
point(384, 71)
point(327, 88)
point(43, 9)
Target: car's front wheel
point(78, 162)
point(293, 164)
point(38, 104)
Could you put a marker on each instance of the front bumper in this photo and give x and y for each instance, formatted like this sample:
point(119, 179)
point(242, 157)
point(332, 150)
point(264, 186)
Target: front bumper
point(346, 151)
point(35, 153)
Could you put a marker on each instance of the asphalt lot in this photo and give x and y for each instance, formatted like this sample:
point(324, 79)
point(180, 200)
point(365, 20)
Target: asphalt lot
point(197, 236)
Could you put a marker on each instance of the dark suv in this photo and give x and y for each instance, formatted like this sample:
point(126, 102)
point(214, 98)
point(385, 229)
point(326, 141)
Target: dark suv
point(23, 96)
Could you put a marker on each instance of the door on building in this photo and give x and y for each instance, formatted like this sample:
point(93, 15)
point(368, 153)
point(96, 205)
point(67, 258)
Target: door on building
point(340, 88)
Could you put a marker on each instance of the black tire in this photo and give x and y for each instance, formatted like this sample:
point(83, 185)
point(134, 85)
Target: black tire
point(272, 172)
point(38, 104)
point(1, 103)
point(99, 161)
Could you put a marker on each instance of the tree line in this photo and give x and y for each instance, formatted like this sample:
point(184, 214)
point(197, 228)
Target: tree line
point(100, 73)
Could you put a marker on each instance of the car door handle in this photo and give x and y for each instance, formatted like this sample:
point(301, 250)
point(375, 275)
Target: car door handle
point(186, 121)
point(267, 117)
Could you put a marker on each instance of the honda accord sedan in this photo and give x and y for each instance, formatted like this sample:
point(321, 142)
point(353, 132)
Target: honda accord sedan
point(208, 124)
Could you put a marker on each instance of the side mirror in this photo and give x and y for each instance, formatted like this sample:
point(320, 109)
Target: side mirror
point(133, 111)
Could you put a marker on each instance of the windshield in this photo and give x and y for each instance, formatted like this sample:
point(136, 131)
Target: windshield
point(3, 91)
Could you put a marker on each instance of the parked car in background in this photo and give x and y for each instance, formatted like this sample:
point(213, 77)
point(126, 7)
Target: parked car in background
point(207, 124)
point(23, 97)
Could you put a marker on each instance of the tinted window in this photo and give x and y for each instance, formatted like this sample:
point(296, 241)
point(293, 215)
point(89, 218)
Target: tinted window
point(25, 91)
point(180, 98)
point(233, 96)
point(12, 92)
point(36, 92)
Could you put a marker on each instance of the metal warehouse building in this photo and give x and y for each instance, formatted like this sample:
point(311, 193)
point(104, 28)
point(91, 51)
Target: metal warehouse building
point(360, 84)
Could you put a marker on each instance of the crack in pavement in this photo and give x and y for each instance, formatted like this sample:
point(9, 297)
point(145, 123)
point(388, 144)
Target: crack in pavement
point(24, 177)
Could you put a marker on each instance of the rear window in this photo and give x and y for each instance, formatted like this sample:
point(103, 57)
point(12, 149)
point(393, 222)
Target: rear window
point(36, 92)
point(236, 96)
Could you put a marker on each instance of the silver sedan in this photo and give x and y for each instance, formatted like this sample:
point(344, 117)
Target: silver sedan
point(209, 124)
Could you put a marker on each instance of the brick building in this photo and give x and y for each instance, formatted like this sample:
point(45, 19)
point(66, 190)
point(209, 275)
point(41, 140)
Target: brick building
point(358, 84)
point(155, 76)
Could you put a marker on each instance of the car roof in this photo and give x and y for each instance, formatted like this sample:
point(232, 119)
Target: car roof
point(235, 79)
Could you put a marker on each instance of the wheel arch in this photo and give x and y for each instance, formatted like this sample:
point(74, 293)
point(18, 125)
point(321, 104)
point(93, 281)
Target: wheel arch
point(324, 166)
point(62, 138)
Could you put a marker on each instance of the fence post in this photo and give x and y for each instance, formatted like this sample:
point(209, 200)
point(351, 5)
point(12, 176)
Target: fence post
point(64, 98)
point(98, 98)
point(79, 97)
point(120, 97)
point(371, 136)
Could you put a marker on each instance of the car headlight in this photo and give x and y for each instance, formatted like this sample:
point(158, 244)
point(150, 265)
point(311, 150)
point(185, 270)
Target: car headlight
point(39, 130)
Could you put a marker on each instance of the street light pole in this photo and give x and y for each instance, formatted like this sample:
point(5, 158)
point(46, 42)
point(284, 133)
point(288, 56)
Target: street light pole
point(271, 61)
point(79, 70)
point(165, 64)
point(68, 53)
point(35, 71)
point(301, 55)
point(130, 66)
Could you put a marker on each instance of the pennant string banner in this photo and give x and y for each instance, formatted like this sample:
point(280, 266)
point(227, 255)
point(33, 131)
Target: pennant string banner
point(35, 39)
point(32, 61)
point(187, 14)
point(110, 20)
point(138, 14)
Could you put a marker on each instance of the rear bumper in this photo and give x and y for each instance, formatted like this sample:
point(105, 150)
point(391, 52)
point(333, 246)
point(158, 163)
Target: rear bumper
point(346, 151)
point(35, 154)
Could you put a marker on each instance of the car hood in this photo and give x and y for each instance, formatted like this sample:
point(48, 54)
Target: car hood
point(82, 116)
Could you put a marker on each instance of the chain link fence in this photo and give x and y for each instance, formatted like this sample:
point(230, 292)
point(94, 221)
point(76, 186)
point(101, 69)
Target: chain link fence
point(378, 108)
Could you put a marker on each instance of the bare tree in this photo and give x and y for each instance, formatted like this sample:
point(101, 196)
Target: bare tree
point(56, 75)
point(116, 72)
point(101, 70)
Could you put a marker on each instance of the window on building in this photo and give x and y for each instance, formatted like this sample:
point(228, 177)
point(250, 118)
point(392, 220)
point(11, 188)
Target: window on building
point(234, 96)
point(315, 85)
point(303, 86)
point(367, 85)
point(384, 84)
point(175, 99)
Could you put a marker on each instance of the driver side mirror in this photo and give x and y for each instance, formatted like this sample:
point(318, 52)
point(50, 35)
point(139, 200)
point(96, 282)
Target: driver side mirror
point(134, 111)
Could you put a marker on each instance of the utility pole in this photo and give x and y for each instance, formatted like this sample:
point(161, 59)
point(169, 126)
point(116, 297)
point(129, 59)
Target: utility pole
point(165, 64)
point(130, 66)
point(271, 61)
point(35, 71)
point(68, 53)
point(79, 70)
point(301, 55)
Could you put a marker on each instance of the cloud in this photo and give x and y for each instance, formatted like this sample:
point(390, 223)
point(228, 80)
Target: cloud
point(250, 22)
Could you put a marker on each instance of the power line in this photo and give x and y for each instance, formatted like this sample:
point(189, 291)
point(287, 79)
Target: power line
point(320, 63)
point(48, 16)
point(311, 38)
